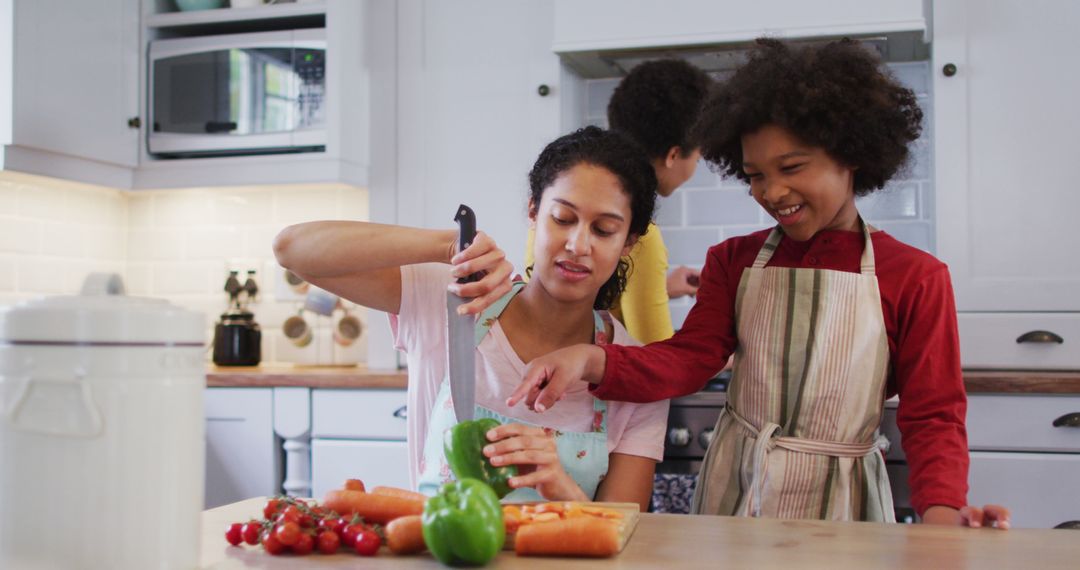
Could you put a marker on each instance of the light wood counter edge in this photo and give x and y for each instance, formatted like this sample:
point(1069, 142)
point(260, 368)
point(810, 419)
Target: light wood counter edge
point(278, 375)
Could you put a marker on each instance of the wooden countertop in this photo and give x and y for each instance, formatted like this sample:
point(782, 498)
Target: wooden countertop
point(284, 374)
point(288, 375)
point(683, 541)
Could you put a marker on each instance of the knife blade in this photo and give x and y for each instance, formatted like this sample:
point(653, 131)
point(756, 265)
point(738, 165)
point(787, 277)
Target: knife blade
point(460, 332)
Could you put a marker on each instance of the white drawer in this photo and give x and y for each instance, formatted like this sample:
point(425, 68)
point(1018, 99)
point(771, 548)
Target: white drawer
point(1021, 423)
point(1039, 488)
point(365, 414)
point(990, 340)
point(376, 463)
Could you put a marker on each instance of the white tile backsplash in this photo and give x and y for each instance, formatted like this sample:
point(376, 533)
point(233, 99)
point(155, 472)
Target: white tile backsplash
point(171, 244)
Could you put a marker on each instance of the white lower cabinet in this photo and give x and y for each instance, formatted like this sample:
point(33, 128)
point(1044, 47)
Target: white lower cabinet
point(1039, 488)
point(1025, 454)
point(373, 462)
point(358, 434)
point(243, 458)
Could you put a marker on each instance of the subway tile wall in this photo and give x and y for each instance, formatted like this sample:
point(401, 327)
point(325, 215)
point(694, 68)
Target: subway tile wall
point(171, 244)
point(710, 208)
point(52, 233)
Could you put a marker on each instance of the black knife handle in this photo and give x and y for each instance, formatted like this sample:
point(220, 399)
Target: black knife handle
point(466, 221)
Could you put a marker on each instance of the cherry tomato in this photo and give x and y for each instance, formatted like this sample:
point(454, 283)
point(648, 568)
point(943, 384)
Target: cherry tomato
point(327, 525)
point(328, 542)
point(271, 508)
point(233, 534)
point(287, 533)
point(291, 514)
point(348, 536)
point(304, 545)
point(340, 525)
point(251, 531)
point(367, 543)
point(306, 521)
point(271, 544)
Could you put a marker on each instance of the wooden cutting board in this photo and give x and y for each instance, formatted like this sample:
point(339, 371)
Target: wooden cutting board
point(631, 514)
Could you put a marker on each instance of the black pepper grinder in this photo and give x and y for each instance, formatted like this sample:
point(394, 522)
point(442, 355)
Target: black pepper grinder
point(237, 338)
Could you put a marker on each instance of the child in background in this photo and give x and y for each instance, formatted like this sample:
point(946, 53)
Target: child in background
point(592, 194)
point(656, 105)
point(825, 315)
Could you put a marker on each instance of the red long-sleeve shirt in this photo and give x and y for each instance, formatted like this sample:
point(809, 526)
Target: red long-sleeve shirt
point(920, 320)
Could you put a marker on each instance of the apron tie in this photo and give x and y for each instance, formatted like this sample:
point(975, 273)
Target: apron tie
point(766, 439)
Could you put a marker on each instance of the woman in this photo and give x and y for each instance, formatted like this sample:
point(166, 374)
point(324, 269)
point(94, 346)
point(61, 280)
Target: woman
point(592, 194)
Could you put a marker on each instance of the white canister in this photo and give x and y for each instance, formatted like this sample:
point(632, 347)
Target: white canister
point(101, 439)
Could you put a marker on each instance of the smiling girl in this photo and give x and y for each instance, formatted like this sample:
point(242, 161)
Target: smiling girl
point(826, 316)
point(592, 195)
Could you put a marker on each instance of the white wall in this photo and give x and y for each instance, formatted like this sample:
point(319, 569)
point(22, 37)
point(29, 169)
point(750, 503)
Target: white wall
point(6, 47)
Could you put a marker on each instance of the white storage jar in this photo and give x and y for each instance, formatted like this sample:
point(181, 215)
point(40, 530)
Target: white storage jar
point(101, 440)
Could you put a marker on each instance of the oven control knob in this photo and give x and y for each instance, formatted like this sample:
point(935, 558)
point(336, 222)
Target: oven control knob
point(705, 439)
point(679, 436)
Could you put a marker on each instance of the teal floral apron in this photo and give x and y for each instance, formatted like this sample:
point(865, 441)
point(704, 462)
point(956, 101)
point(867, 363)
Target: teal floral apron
point(584, 455)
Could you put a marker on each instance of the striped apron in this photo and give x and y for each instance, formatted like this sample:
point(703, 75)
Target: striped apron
point(798, 437)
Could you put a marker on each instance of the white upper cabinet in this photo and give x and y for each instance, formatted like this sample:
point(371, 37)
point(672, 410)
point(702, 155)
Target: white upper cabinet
point(80, 91)
point(75, 86)
point(628, 24)
point(1005, 119)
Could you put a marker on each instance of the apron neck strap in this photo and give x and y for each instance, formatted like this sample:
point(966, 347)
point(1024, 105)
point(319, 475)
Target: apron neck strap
point(866, 262)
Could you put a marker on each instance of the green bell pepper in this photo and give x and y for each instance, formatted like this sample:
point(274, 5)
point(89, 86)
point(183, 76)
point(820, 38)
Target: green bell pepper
point(463, 524)
point(463, 445)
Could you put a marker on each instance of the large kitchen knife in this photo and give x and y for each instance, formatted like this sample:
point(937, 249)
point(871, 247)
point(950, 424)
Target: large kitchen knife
point(461, 331)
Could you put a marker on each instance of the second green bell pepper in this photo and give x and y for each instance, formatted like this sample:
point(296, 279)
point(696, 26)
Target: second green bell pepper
point(463, 445)
point(463, 523)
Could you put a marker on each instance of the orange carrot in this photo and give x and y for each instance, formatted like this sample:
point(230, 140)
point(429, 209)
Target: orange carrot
point(354, 485)
point(579, 536)
point(405, 535)
point(398, 492)
point(374, 508)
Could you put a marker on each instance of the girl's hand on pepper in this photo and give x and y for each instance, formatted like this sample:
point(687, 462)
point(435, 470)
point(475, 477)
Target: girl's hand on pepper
point(482, 256)
point(534, 452)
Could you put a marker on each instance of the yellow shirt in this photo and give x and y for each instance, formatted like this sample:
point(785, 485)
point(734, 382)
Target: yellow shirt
point(643, 306)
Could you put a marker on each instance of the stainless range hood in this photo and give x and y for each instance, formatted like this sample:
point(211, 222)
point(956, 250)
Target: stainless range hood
point(721, 59)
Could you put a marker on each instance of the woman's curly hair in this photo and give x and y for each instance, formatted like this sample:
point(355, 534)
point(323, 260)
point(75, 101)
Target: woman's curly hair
point(657, 104)
point(831, 95)
point(623, 158)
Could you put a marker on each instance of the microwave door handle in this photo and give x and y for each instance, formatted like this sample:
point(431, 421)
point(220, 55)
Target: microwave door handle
point(220, 126)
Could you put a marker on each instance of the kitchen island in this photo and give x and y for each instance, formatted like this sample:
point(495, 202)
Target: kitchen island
point(683, 541)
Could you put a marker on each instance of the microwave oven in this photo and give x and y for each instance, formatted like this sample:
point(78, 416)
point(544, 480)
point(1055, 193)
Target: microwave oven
point(239, 94)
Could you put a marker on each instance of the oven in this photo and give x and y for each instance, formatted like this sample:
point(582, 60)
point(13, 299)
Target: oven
point(691, 420)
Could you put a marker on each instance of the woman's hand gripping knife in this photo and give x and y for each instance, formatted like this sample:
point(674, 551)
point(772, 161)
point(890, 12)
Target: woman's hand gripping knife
point(548, 377)
point(482, 257)
point(991, 516)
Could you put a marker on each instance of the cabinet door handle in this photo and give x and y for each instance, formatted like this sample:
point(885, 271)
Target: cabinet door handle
point(1074, 525)
point(402, 412)
point(1068, 420)
point(1039, 336)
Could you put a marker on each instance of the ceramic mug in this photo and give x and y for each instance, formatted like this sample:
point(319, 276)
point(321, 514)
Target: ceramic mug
point(321, 302)
point(297, 330)
point(347, 330)
point(298, 285)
